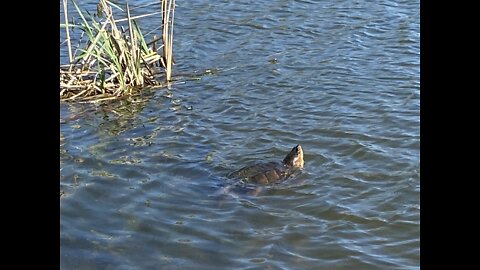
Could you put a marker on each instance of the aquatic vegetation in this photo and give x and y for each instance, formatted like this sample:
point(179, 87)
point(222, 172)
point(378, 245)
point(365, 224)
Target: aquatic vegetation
point(115, 60)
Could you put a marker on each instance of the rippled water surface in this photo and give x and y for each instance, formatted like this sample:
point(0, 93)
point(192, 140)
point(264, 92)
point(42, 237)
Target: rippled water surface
point(142, 179)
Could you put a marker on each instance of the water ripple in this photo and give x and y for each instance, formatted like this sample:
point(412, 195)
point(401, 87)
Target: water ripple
point(141, 179)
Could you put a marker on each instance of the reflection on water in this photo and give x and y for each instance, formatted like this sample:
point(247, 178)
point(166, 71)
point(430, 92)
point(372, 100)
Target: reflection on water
point(141, 178)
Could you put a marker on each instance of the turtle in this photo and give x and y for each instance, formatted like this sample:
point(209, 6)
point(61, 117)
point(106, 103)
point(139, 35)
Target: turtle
point(271, 172)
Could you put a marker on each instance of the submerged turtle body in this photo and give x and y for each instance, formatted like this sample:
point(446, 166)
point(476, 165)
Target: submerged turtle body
point(272, 172)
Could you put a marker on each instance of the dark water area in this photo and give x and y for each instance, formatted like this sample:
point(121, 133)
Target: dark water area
point(141, 179)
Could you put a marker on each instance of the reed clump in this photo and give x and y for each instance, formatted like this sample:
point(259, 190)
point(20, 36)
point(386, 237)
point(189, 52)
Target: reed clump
point(115, 60)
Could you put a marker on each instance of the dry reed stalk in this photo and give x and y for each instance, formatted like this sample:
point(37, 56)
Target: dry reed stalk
point(97, 99)
point(77, 95)
point(138, 17)
point(168, 7)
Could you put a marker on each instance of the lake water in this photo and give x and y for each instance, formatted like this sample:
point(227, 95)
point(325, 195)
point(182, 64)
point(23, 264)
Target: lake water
point(141, 179)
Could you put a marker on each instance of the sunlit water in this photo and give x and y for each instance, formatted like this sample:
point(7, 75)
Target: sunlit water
point(141, 180)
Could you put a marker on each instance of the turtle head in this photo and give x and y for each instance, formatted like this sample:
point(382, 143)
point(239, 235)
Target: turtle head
point(295, 157)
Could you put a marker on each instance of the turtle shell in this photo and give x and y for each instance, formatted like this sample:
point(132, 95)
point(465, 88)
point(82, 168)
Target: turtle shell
point(272, 172)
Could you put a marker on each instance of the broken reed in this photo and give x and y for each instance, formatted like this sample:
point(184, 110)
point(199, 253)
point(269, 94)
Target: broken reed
point(114, 62)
